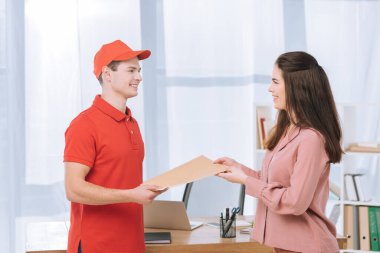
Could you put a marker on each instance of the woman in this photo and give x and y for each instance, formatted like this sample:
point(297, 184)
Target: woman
point(292, 187)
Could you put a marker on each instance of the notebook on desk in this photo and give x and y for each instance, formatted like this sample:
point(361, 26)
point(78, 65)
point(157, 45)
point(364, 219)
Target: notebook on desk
point(168, 215)
point(157, 237)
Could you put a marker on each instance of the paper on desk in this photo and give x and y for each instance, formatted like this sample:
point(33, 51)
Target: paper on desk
point(193, 170)
point(46, 236)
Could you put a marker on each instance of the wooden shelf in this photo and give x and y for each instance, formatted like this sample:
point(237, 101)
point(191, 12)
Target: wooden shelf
point(360, 203)
point(356, 250)
point(350, 153)
point(359, 104)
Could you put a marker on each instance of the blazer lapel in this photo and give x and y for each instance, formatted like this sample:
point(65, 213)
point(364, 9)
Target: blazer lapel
point(288, 138)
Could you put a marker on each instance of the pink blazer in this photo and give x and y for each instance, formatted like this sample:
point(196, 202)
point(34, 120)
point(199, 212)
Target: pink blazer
point(292, 190)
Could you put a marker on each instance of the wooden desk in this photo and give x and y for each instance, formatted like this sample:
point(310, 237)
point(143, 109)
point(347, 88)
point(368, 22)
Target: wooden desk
point(207, 239)
point(51, 237)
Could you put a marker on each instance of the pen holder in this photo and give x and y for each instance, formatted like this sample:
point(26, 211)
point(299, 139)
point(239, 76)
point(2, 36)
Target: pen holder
point(227, 228)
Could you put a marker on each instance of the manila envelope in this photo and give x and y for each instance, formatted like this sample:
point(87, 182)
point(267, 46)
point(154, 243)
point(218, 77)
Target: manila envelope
point(193, 170)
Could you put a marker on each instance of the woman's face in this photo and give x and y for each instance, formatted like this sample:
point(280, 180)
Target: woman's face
point(277, 88)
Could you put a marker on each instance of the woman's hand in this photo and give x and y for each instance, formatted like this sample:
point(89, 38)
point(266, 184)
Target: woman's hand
point(233, 173)
point(227, 161)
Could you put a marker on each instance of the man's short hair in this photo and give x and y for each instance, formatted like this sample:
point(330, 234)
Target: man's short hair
point(113, 66)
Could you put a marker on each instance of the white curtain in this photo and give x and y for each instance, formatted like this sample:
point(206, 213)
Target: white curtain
point(211, 62)
point(59, 48)
point(344, 37)
point(206, 62)
point(209, 86)
point(46, 79)
point(214, 39)
point(11, 120)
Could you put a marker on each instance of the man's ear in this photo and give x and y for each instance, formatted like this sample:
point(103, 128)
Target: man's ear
point(106, 74)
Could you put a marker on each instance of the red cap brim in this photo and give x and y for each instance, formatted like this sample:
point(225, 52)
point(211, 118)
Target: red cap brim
point(141, 55)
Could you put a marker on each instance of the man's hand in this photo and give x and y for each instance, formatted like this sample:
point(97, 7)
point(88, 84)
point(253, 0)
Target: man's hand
point(80, 191)
point(145, 194)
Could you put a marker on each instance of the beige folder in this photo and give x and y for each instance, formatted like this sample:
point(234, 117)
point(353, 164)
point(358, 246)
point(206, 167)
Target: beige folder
point(193, 170)
point(364, 228)
point(351, 226)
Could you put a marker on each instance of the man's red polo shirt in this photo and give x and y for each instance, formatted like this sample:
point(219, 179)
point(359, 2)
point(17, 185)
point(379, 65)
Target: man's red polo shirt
point(110, 143)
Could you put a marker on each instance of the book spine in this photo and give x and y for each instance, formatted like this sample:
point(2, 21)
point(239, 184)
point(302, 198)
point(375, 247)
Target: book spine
point(348, 225)
point(377, 211)
point(360, 186)
point(355, 228)
point(373, 230)
point(364, 228)
point(260, 141)
point(350, 188)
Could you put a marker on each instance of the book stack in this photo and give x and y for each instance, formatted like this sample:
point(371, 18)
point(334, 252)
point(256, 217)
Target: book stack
point(362, 227)
point(364, 147)
point(355, 186)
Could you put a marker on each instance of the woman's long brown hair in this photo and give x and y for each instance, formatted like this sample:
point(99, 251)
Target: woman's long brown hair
point(310, 100)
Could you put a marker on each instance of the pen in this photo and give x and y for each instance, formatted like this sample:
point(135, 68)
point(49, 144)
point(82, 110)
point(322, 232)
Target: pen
point(227, 214)
point(228, 226)
point(221, 222)
point(229, 223)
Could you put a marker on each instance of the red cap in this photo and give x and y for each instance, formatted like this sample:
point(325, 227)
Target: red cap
point(115, 51)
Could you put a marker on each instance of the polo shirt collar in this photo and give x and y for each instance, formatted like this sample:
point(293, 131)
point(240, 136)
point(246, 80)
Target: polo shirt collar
point(111, 111)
